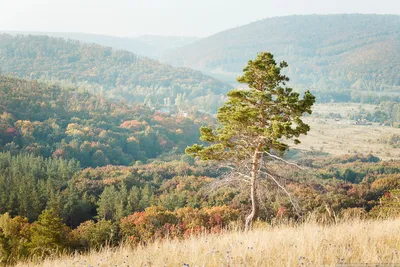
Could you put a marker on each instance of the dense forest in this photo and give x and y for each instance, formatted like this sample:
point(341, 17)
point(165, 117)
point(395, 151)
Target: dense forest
point(151, 46)
point(47, 120)
point(324, 52)
point(63, 187)
point(52, 205)
point(114, 73)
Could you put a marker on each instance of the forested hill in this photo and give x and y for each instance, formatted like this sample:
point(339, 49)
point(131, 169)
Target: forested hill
point(323, 51)
point(133, 45)
point(49, 121)
point(116, 73)
point(152, 46)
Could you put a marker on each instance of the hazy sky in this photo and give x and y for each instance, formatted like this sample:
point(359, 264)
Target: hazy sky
point(166, 17)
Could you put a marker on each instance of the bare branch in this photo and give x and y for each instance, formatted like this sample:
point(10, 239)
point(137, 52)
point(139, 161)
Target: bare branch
point(284, 190)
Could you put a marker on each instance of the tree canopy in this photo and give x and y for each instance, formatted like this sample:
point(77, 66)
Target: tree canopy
point(264, 115)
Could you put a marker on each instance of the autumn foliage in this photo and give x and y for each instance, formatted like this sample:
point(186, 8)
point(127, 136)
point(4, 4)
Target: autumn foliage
point(156, 222)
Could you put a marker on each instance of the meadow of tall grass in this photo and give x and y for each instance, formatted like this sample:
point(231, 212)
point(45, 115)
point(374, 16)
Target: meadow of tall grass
point(308, 244)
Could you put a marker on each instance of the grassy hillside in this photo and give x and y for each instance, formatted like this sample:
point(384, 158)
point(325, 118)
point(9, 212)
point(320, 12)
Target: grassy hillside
point(359, 242)
point(115, 73)
point(323, 51)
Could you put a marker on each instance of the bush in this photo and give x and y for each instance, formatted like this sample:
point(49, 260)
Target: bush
point(147, 225)
point(157, 222)
point(386, 183)
point(14, 237)
point(93, 235)
point(389, 206)
point(48, 236)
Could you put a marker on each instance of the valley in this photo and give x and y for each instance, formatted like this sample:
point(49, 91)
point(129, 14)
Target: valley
point(338, 136)
point(332, 52)
point(275, 143)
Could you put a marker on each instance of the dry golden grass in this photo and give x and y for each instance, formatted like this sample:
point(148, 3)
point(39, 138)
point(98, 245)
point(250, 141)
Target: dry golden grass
point(376, 242)
point(339, 138)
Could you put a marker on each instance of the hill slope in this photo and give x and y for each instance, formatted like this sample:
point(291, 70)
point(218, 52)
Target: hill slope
point(151, 46)
point(116, 73)
point(124, 43)
point(364, 242)
point(47, 120)
point(323, 51)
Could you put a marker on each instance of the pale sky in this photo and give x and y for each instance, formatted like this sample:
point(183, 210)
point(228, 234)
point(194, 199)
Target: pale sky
point(166, 17)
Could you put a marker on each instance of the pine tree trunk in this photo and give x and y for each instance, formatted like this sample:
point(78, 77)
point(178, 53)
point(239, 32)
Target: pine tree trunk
point(253, 191)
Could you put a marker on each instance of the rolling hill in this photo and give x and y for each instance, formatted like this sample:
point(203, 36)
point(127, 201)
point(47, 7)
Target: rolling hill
point(50, 121)
point(119, 74)
point(123, 43)
point(326, 52)
point(151, 46)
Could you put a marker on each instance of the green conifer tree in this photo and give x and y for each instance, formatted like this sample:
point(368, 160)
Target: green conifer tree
point(256, 122)
point(48, 235)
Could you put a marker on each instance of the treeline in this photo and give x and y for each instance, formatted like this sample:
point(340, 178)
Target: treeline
point(49, 236)
point(31, 184)
point(387, 113)
point(61, 123)
point(52, 206)
point(326, 52)
point(114, 73)
point(357, 96)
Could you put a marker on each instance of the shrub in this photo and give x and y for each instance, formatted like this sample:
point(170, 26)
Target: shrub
point(14, 237)
point(147, 225)
point(386, 183)
point(93, 235)
point(388, 207)
point(48, 236)
point(157, 222)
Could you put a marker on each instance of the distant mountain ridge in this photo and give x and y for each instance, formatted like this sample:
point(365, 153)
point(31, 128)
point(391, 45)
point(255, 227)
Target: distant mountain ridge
point(119, 74)
point(323, 51)
point(152, 46)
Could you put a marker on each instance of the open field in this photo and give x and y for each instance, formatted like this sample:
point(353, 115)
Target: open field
point(344, 109)
point(342, 136)
point(338, 138)
point(374, 242)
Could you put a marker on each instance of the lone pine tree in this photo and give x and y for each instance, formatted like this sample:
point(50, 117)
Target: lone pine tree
point(256, 122)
